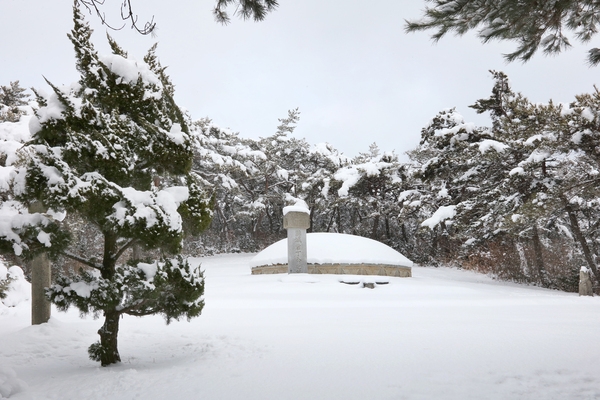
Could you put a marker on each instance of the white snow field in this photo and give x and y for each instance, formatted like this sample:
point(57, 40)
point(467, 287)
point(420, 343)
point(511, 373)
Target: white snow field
point(442, 334)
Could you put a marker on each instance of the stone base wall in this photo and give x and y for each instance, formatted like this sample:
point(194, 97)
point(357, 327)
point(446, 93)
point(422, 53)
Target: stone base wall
point(340, 269)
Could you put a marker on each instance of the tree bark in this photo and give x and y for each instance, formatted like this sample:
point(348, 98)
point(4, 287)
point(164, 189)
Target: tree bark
point(329, 225)
point(581, 239)
point(109, 353)
point(41, 279)
point(434, 242)
point(538, 259)
point(388, 233)
point(108, 338)
point(374, 231)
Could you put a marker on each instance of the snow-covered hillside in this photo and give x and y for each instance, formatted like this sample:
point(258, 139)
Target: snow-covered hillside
point(443, 334)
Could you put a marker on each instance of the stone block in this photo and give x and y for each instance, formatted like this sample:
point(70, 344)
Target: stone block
point(297, 251)
point(295, 219)
point(340, 269)
point(585, 282)
point(369, 285)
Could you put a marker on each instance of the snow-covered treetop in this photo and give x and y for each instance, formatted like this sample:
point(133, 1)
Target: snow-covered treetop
point(113, 146)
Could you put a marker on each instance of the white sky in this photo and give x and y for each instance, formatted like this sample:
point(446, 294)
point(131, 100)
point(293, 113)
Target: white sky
point(348, 65)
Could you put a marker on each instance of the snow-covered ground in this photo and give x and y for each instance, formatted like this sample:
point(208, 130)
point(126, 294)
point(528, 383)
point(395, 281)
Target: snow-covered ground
point(442, 334)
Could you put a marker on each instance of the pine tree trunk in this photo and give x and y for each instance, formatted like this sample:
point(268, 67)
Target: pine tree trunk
point(388, 233)
point(581, 239)
point(270, 218)
point(329, 225)
point(375, 229)
point(109, 353)
point(434, 242)
point(108, 338)
point(539, 257)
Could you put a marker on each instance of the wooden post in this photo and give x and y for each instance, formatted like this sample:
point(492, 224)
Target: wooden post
point(40, 280)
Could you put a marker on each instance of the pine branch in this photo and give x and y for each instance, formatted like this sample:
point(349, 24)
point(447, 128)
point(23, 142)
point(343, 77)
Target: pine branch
point(132, 310)
point(246, 9)
point(81, 260)
point(532, 24)
point(124, 248)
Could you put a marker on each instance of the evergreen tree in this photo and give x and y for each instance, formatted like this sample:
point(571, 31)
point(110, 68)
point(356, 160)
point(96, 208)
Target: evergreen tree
point(11, 98)
point(532, 24)
point(225, 162)
point(274, 171)
point(449, 165)
point(114, 150)
point(512, 203)
point(526, 185)
point(318, 187)
point(574, 148)
point(367, 194)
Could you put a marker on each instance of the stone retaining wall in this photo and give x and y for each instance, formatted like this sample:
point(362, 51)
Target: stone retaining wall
point(340, 269)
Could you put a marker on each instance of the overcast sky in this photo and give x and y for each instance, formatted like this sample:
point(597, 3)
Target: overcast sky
point(356, 77)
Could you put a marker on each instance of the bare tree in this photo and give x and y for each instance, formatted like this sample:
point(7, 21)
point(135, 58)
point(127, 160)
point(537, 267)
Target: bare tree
point(245, 9)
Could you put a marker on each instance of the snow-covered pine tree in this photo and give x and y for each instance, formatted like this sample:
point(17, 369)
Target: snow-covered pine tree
point(448, 159)
point(549, 185)
point(11, 98)
point(113, 149)
point(510, 213)
point(573, 142)
point(318, 165)
point(365, 194)
point(223, 160)
point(257, 175)
point(525, 185)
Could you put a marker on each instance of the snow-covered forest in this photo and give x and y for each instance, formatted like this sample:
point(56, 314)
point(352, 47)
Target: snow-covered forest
point(516, 199)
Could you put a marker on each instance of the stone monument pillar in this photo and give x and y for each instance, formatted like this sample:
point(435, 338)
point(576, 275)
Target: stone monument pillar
point(296, 220)
point(40, 280)
point(585, 282)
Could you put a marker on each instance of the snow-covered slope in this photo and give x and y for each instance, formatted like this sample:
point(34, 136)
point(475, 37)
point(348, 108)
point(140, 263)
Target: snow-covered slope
point(443, 334)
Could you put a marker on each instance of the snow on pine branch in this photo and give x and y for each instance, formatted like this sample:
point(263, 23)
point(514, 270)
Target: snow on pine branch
point(130, 70)
point(15, 218)
point(150, 207)
point(351, 175)
point(442, 214)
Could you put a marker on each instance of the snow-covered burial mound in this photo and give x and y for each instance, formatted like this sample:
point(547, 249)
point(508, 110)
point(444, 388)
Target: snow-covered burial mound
point(336, 253)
